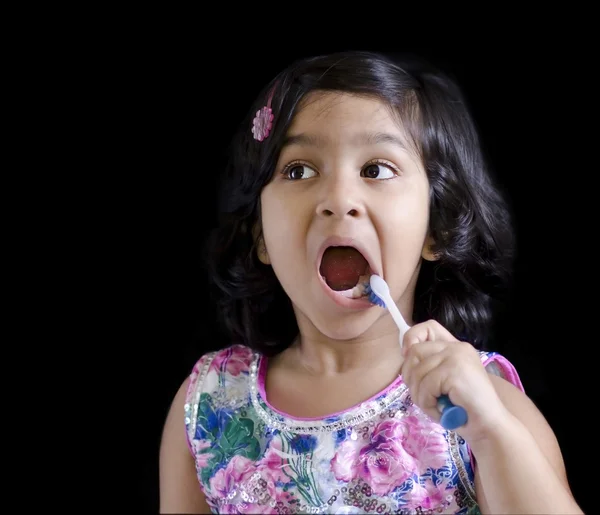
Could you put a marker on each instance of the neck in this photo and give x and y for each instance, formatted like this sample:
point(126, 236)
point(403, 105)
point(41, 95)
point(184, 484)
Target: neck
point(378, 349)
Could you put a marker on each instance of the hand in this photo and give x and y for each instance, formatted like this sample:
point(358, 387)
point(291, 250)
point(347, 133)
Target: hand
point(436, 363)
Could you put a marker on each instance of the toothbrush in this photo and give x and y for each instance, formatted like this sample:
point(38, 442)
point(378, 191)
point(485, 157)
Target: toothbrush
point(379, 294)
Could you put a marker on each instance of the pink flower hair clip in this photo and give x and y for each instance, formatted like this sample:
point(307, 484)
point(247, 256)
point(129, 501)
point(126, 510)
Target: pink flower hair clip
point(263, 121)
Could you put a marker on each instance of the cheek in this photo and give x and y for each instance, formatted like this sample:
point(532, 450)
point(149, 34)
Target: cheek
point(283, 222)
point(275, 213)
point(407, 212)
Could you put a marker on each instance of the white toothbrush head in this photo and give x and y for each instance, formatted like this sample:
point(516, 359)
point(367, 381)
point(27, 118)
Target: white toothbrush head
point(379, 294)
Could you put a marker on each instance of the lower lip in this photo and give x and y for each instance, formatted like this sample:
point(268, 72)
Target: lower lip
point(345, 302)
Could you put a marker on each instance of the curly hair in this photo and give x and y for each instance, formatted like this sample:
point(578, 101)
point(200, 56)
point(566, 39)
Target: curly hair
point(470, 220)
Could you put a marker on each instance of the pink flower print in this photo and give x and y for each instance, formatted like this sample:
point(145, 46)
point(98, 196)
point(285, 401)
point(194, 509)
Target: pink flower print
point(344, 463)
point(273, 465)
point(202, 458)
point(225, 484)
point(425, 442)
point(427, 495)
point(195, 373)
point(397, 450)
point(257, 480)
point(233, 360)
point(226, 480)
point(383, 463)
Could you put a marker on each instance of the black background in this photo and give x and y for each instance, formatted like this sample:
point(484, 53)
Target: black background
point(177, 98)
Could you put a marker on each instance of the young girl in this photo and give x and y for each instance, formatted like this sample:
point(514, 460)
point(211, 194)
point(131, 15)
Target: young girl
point(350, 165)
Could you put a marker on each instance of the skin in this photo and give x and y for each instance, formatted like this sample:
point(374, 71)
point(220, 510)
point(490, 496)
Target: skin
point(332, 189)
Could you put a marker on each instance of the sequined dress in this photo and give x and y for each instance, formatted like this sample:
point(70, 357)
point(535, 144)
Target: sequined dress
point(381, 456)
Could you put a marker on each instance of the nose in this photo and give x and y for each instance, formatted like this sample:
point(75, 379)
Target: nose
point(341, 198)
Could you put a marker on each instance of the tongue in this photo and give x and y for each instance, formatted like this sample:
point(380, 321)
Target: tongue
point(341, 267)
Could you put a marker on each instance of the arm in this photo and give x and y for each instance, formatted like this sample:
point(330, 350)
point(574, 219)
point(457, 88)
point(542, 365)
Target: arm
point(179, 487)
point(519, 466)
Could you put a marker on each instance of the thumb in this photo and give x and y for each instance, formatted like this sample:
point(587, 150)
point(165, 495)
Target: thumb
point(425, 332)
point(417, 334)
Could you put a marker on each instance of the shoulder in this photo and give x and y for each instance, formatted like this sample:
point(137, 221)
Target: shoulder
point(509, 388)
point(218, 373)
point(226, 363)
point(498, 365)
point(179, 492)
point(209, 375)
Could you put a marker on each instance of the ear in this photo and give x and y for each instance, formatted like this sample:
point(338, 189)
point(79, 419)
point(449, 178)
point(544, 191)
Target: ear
point(259, 245)
point(428, 254)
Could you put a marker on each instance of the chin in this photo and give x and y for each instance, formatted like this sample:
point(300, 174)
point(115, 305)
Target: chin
point(347, 326)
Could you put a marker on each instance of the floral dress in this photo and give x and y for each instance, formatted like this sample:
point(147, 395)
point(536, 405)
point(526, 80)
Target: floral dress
point(382, 456)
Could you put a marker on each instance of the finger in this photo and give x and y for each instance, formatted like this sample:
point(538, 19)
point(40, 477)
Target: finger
point(423, 369)
point(406, 370)
point(426, 331)
point(419, 379)
point(423, 350)
point(417, 353)
point(428, 391)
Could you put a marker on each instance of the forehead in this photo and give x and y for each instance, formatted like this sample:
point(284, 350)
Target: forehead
point(342, 120)
point(340, 114)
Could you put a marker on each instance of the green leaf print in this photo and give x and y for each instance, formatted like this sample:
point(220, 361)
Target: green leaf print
point(207, 427)
point(238, 439)
point(229, 435)
point(207, 472)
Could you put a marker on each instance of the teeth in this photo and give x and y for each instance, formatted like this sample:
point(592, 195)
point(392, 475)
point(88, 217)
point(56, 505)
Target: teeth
point(359, 290)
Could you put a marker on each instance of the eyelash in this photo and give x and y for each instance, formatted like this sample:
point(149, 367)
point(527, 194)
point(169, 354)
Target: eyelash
point(383, 162)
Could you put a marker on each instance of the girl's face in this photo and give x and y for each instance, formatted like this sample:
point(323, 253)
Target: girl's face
point(346, 177)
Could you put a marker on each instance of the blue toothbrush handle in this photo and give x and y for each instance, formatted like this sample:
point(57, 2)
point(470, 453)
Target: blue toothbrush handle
point(452, 416)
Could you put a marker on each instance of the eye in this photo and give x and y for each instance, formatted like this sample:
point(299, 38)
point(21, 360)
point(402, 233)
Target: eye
point(297, 171)
point(379, 170)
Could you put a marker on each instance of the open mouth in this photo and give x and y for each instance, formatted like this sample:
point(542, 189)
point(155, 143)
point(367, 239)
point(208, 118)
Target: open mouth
point(345, 271)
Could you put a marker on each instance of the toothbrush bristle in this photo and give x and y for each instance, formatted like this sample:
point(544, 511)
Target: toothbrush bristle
point(374, 299)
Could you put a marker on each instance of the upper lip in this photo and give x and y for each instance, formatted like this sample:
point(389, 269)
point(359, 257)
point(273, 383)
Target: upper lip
point(347, 241)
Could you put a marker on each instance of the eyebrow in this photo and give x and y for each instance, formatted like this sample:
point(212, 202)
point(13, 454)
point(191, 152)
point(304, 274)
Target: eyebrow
point(361, 139)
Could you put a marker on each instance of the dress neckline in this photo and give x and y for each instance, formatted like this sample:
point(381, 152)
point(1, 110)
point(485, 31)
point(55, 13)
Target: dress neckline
point(357, 414)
